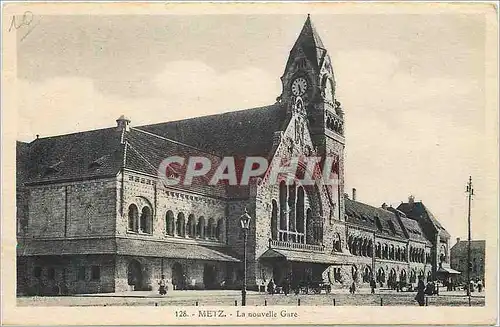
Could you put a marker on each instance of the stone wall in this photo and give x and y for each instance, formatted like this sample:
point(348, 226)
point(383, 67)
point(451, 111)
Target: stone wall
point(75, 209)
point(145, 191)
point(65, 274)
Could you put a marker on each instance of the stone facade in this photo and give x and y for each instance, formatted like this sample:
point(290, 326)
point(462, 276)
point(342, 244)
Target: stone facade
point(458, 254)
point(99, 219)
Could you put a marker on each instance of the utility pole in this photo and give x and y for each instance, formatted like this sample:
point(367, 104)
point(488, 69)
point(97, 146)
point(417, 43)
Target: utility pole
point(470, 192)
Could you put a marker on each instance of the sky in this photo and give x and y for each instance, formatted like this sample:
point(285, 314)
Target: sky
point(412, 87)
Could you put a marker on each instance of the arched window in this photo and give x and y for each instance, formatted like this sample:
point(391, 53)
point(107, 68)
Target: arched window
point(378, 250)
point(169, 223)
point(367, 274)
point(337, 243)
point(385, 251)
point(200, 229)
point(219, 231)
point(181, 225)
point(191, 226)
point(146, 222)
point(291, 207)
point(443, 255)
point(133, 215)
point(309, 227)
point(398, 253)
point(381, 276)
point(300, 209)
point(355, 246)
point(413, 276)
point(391, 254)
point(283, 206)
point(211, 229)
point(274, 220)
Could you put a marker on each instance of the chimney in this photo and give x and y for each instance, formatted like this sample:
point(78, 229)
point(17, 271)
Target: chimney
point(458, 240)
point(353, 194)
point(411, 199)
point(123, 123)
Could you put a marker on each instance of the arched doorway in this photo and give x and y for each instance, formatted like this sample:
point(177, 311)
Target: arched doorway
point(134, 272)
point(402, 277)
point(210, 276)
point(381, 276)
point(178, 277)
point(391, 282)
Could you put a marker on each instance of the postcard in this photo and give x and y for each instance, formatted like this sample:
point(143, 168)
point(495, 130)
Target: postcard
point(249, 163)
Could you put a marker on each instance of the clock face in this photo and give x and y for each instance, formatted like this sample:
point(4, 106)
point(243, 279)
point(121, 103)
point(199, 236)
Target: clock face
point(299, 86)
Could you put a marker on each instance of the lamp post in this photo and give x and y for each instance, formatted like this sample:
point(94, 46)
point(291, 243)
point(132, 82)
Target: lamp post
point(470, 192)
point(245, 225)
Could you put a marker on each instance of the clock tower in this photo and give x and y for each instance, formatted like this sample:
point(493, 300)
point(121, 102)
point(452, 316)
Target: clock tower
point(309, 74)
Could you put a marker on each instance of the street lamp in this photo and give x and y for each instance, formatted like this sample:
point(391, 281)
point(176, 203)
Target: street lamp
point(245, 225)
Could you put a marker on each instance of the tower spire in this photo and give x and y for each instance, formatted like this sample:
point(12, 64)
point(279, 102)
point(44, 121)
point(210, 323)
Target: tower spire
point(310, 43)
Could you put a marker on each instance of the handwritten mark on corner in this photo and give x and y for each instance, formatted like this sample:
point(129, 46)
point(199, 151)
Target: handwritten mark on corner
point(24, 22)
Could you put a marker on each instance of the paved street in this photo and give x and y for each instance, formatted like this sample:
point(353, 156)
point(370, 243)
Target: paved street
point(228, 298)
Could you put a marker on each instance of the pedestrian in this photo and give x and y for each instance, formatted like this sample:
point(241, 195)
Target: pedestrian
point(352, 289)
point(373, 284)
point(420, 297)
point(286, 286)
point(270, 287)
point(163, 285)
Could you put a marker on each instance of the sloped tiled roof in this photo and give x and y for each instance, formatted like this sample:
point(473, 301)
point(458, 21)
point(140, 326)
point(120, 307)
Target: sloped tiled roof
point(145, 152)
point(414, 230)
point(310, 42)
point(417, 210)
point(246, 132)
point(88, 154)
point(365, 215)
point(461, 247)
point(171, 250)
point(123, 246)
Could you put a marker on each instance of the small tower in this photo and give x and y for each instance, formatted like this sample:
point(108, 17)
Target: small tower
point(123, 123)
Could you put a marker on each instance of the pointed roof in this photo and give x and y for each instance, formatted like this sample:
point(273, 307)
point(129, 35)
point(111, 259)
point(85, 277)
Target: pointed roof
point(310, 43)
point(418, 211)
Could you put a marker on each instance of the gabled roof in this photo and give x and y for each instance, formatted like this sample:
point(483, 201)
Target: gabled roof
point(462, 246)
point(88, 154)
point(418, 211)
point(368, 216)
point(239, 133)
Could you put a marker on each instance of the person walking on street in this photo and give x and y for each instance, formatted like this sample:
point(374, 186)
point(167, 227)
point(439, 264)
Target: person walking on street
point(286, 286)
point(163, 285)
point(420, 297)
point(270, 287)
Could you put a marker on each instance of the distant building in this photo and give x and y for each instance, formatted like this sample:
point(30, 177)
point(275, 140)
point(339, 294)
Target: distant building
point(477, 258)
